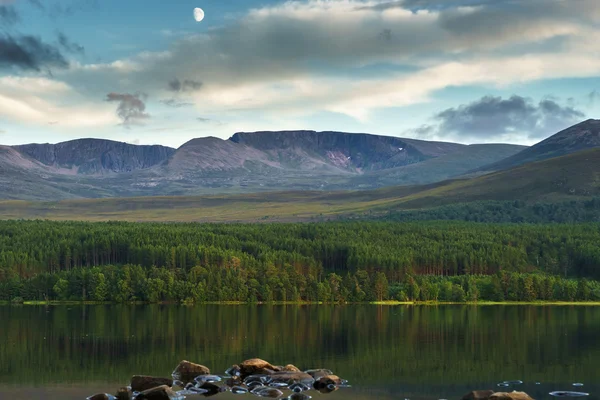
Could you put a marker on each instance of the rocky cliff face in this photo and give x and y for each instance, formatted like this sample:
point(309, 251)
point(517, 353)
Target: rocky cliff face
point(349, 151)
point(96, 156)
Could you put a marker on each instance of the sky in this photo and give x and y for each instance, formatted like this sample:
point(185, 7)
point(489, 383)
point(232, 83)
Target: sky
point(145, 72)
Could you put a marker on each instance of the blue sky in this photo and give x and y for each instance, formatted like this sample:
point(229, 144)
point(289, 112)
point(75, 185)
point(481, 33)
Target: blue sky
point(146, 72)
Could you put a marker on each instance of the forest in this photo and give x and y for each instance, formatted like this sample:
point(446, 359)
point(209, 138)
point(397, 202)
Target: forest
point(326, 262)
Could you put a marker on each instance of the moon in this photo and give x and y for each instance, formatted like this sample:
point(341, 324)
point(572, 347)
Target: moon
point(198, 14)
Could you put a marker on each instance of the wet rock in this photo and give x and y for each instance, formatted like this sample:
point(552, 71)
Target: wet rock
point(211, 388)
point(139, 383)
point(234, 370)
point(327, 384)
point(255, 366)
point(186, 371)
point(299, 396)
point(291, 368)
point(299, 387)
point(239, 390)
point(268, 392)
point(318, 373)
point(163, 392)
point(514, 395)
point(233, 381)
point(292, 377)
point(478, 395)
point(123, 394)
point(100, 396)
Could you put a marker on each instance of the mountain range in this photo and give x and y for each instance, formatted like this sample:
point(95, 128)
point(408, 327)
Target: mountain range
point(252, 162)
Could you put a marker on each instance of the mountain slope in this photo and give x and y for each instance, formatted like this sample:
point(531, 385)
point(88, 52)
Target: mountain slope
point(96, 156)
point(354, 152)
point(571, 176)
point(585, 135)
point(440, 168)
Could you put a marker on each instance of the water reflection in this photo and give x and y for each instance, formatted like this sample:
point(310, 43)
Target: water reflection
point(385, 352)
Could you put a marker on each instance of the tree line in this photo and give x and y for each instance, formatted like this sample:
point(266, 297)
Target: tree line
point(334, 262)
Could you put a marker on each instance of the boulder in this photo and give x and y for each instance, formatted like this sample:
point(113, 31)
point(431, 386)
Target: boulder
point(163, 392)
point(139, 383)
point(99, 396)
point(292, 377)
point(478, 395)
point(514, 395)
point(328, 380)
point(186, 371)
point(317, 373)
point(291, 368)
point(123, 394)
point(256, 366)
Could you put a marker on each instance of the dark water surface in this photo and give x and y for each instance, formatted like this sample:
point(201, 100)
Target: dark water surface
point(386, 352)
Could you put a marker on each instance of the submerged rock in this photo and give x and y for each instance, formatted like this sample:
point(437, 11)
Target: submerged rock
point(299, 396)
point(478, 395)
point(139, 383)
point(186, 371)
point(210, 388)
point(514, 395)
point(163, 392)
point(267, 392)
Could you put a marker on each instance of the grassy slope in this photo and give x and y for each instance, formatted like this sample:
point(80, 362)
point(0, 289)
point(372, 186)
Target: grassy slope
point(568, 177)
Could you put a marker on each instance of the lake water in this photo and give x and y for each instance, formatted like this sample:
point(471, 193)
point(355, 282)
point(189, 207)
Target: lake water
point(386, 352)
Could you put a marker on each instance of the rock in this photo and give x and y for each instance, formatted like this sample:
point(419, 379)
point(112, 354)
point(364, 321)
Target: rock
point(239, 390)
point(478, 395)
point(163, 392)
point(268, 392)
point(318, 373)
point(291, 368)
point(139, 383)
point(256, 366)
point(328, 380)
point(292, 377)
point(233, 381)
point(298, 396)
point(100, 396)
point(186, 371)
point(211, 388)
point(234, 370)
point(514, 395)
point(123, 394)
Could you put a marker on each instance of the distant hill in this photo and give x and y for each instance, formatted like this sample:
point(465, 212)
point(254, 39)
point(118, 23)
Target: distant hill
point(572, 177)
point(585, 135)
point(247, 162)
point(96, 156)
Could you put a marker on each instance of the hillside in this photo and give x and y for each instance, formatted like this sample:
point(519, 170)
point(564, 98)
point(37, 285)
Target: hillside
point(585, 135)
point(248, 162)
point(572, 177)
point(95, 156)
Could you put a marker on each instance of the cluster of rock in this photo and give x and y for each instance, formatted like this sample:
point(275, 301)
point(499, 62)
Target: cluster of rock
point(254, 376)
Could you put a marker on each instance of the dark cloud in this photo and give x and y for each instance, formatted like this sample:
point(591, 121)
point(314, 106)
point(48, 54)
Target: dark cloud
point(131, 108)
point(29, 53)
point(494, 117)
point(175, 103)
point(187, 85)
point(68, 45)
point(8, 15)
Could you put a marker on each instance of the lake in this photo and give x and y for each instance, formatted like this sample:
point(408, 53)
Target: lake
point(386, 352)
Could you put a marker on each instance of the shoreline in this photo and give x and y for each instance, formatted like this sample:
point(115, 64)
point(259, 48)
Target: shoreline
point(306, 303)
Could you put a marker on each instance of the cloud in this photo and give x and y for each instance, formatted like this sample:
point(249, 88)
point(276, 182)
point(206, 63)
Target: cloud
point(175, 103)
point(131, 108)
point(68, 45)
point(188, 85)
point(8, 15)
point(592, 97)
point(29, 53)
point(491, 118)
